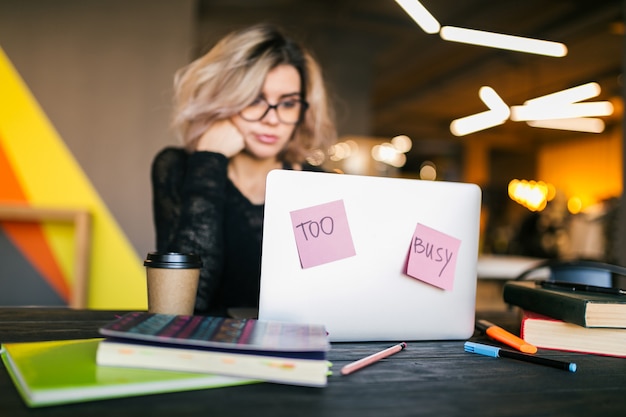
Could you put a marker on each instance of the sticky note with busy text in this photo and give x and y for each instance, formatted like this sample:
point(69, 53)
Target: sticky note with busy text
point(432, 257)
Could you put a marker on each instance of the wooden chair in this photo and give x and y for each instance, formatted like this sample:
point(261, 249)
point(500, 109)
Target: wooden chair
point(81, 219)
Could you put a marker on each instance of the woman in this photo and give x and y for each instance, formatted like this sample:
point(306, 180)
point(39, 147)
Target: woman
point(255, 102)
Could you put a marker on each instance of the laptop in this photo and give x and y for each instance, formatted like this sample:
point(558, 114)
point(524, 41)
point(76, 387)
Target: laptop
point(371, 258)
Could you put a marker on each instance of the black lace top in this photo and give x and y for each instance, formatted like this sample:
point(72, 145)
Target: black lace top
point(198, 209)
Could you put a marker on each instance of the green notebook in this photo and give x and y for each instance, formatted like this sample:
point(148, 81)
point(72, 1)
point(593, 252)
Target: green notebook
point(60, 372)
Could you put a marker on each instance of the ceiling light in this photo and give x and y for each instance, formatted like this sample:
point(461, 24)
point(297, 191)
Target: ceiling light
point(501, 41)
point(495, 103)
point(496, 115)
point(422, 17)
point(402, 143)
point(545, 111)
point(569, 95)
point(385, 152)
point(428, 171)
point(580, 124)
point(475, 122)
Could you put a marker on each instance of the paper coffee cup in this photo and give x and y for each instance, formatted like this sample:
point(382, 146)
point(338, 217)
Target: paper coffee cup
point(172, 282)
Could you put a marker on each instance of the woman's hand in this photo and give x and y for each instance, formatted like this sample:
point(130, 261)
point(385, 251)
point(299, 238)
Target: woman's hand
point(221, 137)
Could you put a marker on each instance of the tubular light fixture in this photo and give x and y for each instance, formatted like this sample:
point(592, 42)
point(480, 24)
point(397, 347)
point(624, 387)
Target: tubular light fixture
point(475, 122)
point(579, 124)
point(422, 17)
point(569, 95)
point(502, 41)
point(547, 111)
point(495, 103)
point(496, 115)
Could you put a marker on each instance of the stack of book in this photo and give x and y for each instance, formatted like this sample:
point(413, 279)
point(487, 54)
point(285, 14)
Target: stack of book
point(145, 354)
point(288, 353)
point(569, 319)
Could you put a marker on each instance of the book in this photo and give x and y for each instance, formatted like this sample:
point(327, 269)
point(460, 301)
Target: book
point(308, 340)
point(587, 309)
point(549, 333)
point(289, 353)
point(62, 372)
point(287, 369)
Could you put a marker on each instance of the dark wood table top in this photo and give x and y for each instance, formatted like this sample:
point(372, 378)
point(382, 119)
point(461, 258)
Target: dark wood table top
point(428, 378)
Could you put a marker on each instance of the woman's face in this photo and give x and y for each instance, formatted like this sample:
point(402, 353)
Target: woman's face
point(268, 136)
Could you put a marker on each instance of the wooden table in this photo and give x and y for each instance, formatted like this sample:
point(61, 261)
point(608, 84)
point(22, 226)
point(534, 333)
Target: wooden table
point(428, 378)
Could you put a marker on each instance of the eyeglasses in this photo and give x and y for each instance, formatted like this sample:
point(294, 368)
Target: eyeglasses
point(289, 111)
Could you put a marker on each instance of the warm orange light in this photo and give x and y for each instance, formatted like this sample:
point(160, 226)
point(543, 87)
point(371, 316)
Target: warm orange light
point(574, 205)
point(531, 194)
point(551, 192)
point(428, 171)
point(589, 169)
point(402, 143)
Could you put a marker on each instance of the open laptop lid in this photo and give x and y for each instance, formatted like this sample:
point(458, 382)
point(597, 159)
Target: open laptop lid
point(371, 258)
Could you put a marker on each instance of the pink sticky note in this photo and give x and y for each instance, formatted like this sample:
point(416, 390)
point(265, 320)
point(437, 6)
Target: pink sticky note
point(322, 234)
point(432, 257)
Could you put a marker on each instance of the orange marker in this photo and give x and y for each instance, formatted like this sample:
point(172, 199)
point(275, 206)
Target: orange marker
point(501, 335)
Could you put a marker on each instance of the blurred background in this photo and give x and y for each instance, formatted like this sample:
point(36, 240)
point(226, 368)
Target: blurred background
point(102, 72)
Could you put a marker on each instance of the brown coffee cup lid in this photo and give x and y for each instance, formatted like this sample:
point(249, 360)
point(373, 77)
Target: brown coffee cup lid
point(173, 260)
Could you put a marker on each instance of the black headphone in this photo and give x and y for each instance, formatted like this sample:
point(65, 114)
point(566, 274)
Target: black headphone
point(581, 271)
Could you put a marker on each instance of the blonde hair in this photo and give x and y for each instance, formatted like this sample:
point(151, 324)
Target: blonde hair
point(231, 75)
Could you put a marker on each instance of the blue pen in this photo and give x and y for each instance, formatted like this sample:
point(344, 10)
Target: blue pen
point(496, 352)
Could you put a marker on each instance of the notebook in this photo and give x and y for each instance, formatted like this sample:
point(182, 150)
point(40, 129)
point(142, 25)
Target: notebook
point(370, 258)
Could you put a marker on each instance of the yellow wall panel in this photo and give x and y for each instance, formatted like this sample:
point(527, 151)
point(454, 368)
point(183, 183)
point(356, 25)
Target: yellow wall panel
point(590, 168)
point(50, 177)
